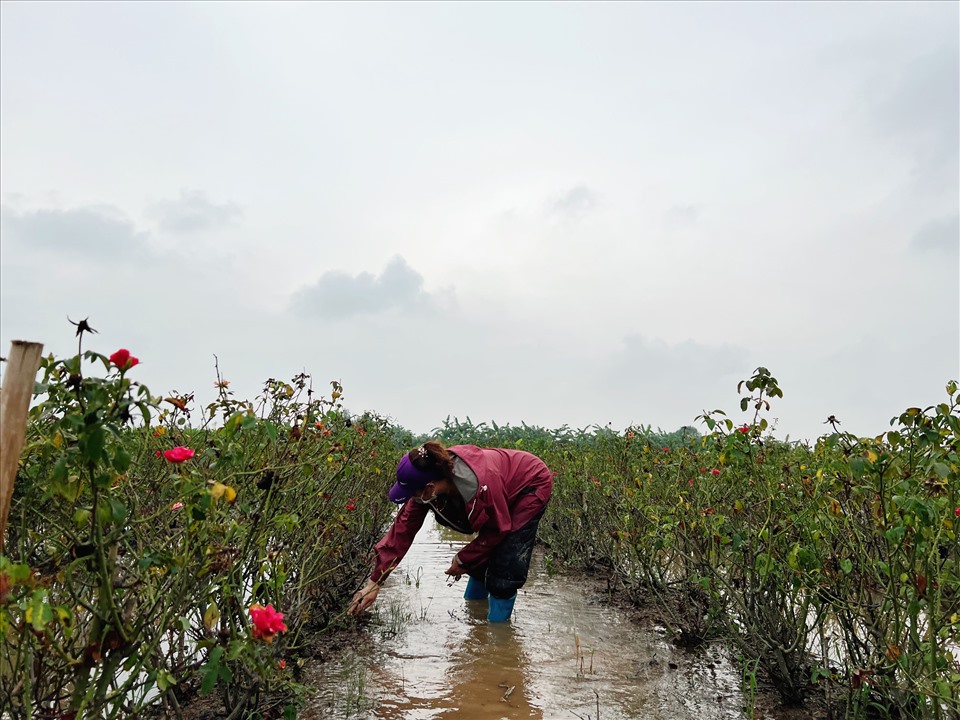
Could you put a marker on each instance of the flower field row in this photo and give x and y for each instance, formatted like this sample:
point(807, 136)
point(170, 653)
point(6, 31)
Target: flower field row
point(150, 562)
point(832, 571)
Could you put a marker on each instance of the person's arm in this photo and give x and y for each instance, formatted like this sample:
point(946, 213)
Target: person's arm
point(390, 551)
point(364, 597)
point(477, 551)
point(394, 545)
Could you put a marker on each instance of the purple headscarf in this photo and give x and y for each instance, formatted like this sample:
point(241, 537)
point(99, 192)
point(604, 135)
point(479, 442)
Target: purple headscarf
point(409, 481)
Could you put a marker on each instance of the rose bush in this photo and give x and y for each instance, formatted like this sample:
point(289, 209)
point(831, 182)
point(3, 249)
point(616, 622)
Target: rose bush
point(127, 582)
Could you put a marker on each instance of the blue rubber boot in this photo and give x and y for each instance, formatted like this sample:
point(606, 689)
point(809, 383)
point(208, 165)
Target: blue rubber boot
point(501, 609)
point(476, 590)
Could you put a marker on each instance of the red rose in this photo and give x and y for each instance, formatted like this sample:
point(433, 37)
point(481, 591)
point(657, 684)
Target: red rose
point(715, 471)
point(351, 505)
point(267, 622)
point(178, 454)
point(123, 359)
point(743, 429)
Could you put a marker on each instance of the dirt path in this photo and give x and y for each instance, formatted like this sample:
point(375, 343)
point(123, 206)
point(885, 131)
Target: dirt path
point(565, 654)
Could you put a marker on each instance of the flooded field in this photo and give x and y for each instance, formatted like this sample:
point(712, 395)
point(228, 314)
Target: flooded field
point(430, 654)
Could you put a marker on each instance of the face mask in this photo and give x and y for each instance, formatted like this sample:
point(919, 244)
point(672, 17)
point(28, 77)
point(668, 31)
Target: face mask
point(434, 497)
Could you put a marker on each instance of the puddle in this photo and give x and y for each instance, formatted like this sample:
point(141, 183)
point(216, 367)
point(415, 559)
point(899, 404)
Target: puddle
point(565, 654)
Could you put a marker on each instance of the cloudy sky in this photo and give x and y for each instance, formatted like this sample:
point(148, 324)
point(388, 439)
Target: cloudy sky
point(553, 213)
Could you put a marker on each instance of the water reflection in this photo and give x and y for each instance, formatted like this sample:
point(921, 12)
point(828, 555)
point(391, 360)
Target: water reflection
point(565, 655)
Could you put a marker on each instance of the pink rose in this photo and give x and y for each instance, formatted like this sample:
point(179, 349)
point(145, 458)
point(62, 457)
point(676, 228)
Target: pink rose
point(267, 622)
point(178, 454)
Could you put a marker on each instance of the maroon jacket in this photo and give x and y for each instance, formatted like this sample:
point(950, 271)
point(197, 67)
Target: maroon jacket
point(500, 506)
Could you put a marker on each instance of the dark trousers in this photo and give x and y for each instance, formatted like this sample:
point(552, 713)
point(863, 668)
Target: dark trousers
point(507, 570)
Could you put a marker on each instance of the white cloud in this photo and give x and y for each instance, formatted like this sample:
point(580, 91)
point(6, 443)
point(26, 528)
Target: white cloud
point(340, 295)
point(90, 234)
point(193, 212)
point(595, 213)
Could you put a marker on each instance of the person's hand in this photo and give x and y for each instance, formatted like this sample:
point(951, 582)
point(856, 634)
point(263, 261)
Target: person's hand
point(455, 569)
point(364, 598)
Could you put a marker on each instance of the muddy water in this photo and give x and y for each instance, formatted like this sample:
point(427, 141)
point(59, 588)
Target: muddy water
point(430, 654)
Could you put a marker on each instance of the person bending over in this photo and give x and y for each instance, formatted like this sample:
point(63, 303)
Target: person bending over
point(498, 494)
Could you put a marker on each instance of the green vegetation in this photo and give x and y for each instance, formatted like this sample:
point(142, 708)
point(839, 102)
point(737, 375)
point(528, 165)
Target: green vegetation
point(834, 570)
point(139, 543)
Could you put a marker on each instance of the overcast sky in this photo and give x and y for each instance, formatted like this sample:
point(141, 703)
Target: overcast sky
point(553, 213)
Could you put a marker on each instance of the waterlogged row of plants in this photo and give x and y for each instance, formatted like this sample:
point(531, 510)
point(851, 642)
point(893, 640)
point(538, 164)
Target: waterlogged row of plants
point(150, 563)
point(831, 571)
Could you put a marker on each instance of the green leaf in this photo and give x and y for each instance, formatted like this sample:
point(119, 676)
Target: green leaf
point(17, 572)
point(895, 534)
point(743, 404)
point(38, 613)
point(234, 649)
point(118, 511)
point(211, 617)
point(209, 681)
point(59, 474)
point(92, 444)
point(807, 559)
point(211, 671)
point(121, 460)
point(103, 480)
point(165, 680)
point(68, 489)
point(846, 565)
point(763, 565)
point(792, 557)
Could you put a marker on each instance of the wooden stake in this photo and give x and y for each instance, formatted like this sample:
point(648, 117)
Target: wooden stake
point(23, 361)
